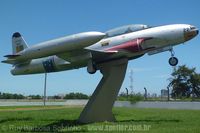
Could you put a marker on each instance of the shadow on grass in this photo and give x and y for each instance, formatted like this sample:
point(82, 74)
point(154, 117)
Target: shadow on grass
point(15, 119)
point(68, 125)
point(151, 120)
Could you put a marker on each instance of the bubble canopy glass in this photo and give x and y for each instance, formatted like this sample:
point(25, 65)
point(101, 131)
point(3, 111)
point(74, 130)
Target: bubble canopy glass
point(126, 29)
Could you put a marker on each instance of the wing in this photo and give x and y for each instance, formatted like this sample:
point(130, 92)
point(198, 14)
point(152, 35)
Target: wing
point(75, 55)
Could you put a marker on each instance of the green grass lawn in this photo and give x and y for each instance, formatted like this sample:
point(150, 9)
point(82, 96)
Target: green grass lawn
point(63, 119)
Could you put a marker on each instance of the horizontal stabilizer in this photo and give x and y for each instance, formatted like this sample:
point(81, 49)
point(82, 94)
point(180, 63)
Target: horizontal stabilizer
point(10, 61)
point(12, 55)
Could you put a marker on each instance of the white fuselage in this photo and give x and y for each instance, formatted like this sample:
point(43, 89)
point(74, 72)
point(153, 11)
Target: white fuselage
point(161, 36)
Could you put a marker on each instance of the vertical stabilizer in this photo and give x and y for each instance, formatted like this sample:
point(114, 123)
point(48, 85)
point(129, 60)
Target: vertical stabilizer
point(18, 43)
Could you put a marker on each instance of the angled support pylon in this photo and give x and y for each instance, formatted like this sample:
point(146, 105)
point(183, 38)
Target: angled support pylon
point(99, 106)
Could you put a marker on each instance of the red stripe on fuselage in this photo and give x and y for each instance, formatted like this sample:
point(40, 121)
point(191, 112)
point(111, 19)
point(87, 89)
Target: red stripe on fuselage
point(131, 46)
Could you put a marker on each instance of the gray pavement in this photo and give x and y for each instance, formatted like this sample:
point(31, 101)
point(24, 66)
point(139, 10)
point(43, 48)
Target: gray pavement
point(148, 104)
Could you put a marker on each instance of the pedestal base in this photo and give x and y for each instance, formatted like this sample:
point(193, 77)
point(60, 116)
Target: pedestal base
point(99, 106)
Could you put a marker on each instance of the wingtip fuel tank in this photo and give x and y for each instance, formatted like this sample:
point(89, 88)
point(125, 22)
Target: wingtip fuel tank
point(56, 46)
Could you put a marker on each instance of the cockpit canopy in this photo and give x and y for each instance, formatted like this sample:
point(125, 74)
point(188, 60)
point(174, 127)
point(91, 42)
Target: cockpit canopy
point(126, 29)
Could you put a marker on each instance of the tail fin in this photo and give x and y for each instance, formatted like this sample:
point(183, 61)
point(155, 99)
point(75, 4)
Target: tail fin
point(18, 43)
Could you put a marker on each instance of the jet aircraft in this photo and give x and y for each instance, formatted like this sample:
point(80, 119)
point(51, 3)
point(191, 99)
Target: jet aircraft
point(108, 52)
point(88, 49)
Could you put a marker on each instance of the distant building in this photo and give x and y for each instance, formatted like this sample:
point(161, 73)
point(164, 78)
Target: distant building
point(154, 95)
point(148, 95)
point(61, 95)
point(164, 94)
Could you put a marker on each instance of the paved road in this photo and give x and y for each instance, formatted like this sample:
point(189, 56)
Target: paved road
point(166, 105)
point(157, 104)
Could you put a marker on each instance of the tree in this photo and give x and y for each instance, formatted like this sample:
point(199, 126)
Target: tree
point(56, 97)
point(76, 96)
point(184, 82)
point(195, 84)
point(35, 96)
point(11, 96)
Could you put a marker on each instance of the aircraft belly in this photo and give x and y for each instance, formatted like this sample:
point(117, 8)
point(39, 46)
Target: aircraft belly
point(104, 57)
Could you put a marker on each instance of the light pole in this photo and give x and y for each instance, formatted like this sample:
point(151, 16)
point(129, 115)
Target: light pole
point(168, 93)
point(45, 87)
point(131, 81)
point(126, 93)
point(145, 93)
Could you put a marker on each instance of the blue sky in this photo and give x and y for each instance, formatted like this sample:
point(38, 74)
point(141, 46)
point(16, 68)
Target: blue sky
point(41, 20)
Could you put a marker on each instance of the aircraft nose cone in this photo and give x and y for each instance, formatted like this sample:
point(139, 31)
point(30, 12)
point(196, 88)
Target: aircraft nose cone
point(189, 34)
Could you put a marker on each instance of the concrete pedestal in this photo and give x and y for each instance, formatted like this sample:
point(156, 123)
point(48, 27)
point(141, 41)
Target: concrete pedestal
point(99, 107)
